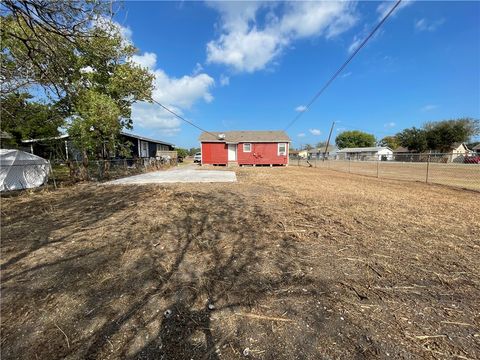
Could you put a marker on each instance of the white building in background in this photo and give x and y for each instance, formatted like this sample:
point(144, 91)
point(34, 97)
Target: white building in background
point(457, 152)
point(366, 153)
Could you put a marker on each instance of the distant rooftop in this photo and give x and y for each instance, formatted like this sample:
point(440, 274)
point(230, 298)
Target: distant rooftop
point(364, 149)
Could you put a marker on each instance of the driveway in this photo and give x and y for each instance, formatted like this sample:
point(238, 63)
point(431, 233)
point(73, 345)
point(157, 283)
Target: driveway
point(185, 174)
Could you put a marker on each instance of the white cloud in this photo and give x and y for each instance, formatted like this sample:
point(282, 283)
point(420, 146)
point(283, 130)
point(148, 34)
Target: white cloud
point(382, 9)
point(152, 117)
point(429, 107)
point(389, 125)
point(247, 47)
point(426, 25)
point(176, 93)
point(197, 69)
point(182, 92)
point(315, 132)
point(147, 60)
point(355, 43)
point(302, 134)
point(224, 80)
point(347, 74)
point(385, 7)
point(301, 108)
point(107, 24)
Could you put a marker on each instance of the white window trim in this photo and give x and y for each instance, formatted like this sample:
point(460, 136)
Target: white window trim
point(278, 149)
point(250, 147)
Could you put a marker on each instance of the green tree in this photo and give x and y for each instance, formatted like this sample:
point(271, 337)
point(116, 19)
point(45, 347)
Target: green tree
point(74, 52)
point(389, 141)
point(414, 139)
point(321, 144)
point(39, 38)
point(441, 135)
point(182, 152)
point(26, 119)
point(193, 151)
point(307, 147)
point(354, 138)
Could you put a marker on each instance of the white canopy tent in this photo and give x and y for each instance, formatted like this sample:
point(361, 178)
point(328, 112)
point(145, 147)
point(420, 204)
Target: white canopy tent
point(21, 170)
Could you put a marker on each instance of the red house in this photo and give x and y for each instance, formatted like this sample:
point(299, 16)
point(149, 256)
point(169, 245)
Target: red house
point(245, 148)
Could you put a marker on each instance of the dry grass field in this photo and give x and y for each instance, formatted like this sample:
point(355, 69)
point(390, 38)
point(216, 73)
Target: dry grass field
point(288, 263)
point(465, 176)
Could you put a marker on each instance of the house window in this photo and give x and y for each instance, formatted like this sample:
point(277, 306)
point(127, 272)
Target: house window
point(247, 147)
point(282, 149)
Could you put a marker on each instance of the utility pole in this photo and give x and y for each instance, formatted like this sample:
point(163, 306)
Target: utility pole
point(328, 141)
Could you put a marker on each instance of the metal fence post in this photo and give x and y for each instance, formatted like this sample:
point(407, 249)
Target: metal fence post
point(428, 166)
point(378, 165)
point(349, 165)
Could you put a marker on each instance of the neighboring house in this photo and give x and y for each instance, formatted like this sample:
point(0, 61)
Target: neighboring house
point(457, 152)
point(366, 153)
point(476, 149)
point(303, 154)
point(143, 147)
point(319, 153)
point(293, 153)
point(245, 148)
point(404, 154)
point(61, 147)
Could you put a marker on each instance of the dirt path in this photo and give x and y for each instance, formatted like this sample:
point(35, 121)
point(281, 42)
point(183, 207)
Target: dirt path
point(288, 263)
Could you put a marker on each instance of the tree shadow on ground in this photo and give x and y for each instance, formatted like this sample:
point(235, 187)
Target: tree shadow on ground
point(173, 278)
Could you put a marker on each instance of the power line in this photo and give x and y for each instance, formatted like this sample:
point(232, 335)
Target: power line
point(182, 118)
point(340, 69)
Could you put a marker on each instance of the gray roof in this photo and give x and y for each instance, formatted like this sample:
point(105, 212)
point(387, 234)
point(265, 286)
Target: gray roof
point(245, 136)
point(146, 139)
point(364, 149)
point(476, 147)
point(322, 149)
point(401, 149)
point(65, 136)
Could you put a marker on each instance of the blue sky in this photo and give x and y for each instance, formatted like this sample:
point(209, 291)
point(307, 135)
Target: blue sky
point(247, 66)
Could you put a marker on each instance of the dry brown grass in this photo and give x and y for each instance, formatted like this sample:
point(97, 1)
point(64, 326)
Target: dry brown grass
point(294, 263)
point(465, 176)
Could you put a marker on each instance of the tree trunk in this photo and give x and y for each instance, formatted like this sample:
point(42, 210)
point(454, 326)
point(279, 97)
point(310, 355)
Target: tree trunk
point(84, 168)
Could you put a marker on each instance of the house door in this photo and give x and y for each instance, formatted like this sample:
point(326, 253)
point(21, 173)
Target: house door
point(143, 149)
point(232, 152)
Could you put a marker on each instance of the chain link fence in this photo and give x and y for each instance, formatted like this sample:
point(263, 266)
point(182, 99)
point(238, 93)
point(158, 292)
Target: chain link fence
point(446, 169)
point(101, 170)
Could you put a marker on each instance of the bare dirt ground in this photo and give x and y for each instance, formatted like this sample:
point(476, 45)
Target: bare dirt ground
point(288, 263)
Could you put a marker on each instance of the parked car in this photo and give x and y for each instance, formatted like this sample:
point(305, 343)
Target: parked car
point(197, 158)
point(475, 159)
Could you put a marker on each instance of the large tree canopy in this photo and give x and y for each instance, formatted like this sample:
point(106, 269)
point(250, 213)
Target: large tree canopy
point(414, 139)
point(40, 37)
point(26, 119)
point(390, 141)
point(442, 135)
point(354, 138)
point(76, 53)
point(439, 135)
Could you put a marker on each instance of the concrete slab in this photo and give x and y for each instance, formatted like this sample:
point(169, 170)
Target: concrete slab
point(177, 175)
